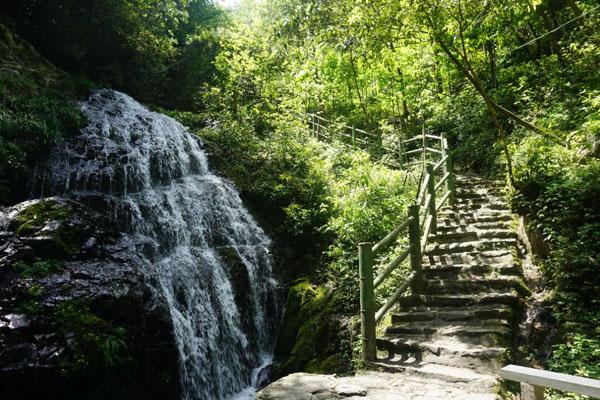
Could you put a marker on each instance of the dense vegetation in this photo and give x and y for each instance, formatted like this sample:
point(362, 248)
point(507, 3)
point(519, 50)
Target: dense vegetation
point(514, 84)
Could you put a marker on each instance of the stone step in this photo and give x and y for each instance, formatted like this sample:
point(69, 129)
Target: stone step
point(480, 199)
point(473, 334)
point(497, 234)
point(446, 225)
point(447, 217)
point(473, 313)
point(453, 237)
point(485, 333)
point(446, 236)
point(470, 270)
point(476, 209)
point(467, 247)
point(447, 351)
point(509, 297)
point(476, 257)
point(471, 286)
point(432, 371)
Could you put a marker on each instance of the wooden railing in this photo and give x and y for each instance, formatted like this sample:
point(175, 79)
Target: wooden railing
point(420, 222)
point(349, 135)
point(533, 381)
point(432, 154)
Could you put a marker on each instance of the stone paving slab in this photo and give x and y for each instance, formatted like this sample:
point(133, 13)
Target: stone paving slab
point(372, 386)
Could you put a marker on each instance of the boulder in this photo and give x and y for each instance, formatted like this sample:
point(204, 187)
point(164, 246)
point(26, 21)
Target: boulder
point(77, 319)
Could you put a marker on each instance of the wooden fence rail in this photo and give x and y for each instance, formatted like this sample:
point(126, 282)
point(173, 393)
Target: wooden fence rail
point(419, 223)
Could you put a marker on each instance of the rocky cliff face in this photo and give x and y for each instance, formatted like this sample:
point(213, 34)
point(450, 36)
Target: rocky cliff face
point(76, 318)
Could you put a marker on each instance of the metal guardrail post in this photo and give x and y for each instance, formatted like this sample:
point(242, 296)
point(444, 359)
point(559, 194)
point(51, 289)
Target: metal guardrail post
point(414, 238)
point(367, 301)
point(432, 204)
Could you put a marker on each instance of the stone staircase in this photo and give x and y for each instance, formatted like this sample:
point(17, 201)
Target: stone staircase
point(458, 329)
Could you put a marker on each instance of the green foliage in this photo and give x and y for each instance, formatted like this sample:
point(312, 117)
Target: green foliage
point(578, 355)
point(560, 191)
point(39, 269)
point(99, 344)
point(32, 303)
point(36, 109)
point(160, 51)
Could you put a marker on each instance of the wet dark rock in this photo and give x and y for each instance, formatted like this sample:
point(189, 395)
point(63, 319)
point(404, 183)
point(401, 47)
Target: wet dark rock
point(65, 272)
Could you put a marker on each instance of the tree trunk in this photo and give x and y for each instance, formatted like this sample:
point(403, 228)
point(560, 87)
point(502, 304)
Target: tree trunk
point(488, 100)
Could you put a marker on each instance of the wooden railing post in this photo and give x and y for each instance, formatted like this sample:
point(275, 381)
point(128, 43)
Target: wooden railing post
point(448, 169)
point(424, 144)
point(414, 238)
point(367, 301)
point(353, 135)
point(432, 204)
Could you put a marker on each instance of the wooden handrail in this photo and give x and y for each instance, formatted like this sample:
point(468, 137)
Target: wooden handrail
point(432, 150)
point(411, 139)
point(391, 236)
point(391, 267)
point(401, 289)
point(418, 235)
point(443, 201)
point(413, 151)
point(540, 379)
point(442, 181)
point(440, 163)
point(427, 228)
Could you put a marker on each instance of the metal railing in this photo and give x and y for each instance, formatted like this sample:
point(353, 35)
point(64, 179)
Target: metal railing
point(533, 381)
point(420, 223)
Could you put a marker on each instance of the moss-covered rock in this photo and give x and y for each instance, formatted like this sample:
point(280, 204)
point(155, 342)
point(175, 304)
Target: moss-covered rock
point(50, 227)
point(312, 337)
point(79, 322)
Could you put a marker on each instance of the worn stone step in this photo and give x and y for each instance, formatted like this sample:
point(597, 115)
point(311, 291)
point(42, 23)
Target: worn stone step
point(466, 247)
point(447, 351)
point(478, 193)
point(451, 226)
point(473, 334)
point(497, 234)
point(508, 297)
point(432, 371)
point(468, 218)
point(476, 257)
point(453, 237)
point(469, 286)
point(485, 333)
point(470, 270)
point(472, 313)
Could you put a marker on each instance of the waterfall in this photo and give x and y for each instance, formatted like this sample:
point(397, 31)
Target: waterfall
point(206, 257)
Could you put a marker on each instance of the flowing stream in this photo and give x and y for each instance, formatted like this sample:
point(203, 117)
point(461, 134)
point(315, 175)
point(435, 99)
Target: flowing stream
point(207, 258)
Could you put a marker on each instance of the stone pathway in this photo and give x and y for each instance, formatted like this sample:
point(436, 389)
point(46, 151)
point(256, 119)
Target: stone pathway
point(447, 342)
point(368, 385)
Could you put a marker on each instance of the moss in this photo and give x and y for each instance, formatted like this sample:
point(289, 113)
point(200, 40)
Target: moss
point(39, 269)
point(309, 333)
point(67, 238)
point(31, 304)
point(37, 215)
point(329, 365)
point(99, 344)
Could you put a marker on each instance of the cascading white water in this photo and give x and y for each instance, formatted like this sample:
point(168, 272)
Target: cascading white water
point(207, 258)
